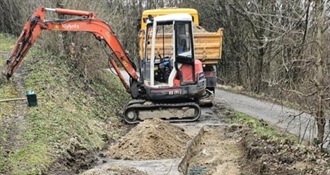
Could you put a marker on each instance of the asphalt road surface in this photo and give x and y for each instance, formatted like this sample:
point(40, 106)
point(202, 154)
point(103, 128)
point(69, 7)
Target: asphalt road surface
point(293, 121)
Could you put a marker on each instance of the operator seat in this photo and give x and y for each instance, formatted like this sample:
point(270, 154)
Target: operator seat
point(182, 44)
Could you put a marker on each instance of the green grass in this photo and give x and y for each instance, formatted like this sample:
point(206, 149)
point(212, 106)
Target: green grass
point(71, 115)
point(33, 158)
point(7, 110)
point(261, 128)
point(6, 43)
point(6, 90)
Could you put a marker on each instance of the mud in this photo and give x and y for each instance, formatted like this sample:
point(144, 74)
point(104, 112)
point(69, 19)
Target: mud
point(114, 170)
point(263, 155)
point(215, 150)
point(150, 167)
point(163, 166)
point(236, 149)
point(151, 139)
point(74, 160)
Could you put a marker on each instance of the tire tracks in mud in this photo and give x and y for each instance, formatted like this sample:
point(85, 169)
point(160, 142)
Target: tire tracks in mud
point(12, 126)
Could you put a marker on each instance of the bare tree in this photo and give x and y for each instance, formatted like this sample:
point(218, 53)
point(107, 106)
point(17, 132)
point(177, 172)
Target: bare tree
point(320, 7)
point(10, 22)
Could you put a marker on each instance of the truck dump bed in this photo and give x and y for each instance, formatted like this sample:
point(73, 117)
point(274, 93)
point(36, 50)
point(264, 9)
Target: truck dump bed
point(208, 45)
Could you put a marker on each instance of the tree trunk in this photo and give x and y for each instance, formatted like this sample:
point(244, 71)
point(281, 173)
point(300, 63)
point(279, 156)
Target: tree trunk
point(260, 63)
point(65, 43)
point(238, 71)
point(320, 118)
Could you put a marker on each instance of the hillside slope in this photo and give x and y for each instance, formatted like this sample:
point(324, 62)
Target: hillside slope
point(74, 117)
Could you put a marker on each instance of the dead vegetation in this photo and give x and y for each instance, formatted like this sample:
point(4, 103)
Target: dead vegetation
point(238, 150)
point(268, 156)
point(270, 150)
point(74, 117)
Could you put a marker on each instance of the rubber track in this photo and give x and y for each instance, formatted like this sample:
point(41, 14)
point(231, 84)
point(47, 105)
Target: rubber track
point(155, 106)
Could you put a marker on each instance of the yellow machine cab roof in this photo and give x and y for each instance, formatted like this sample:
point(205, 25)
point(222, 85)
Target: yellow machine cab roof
point(165, 11)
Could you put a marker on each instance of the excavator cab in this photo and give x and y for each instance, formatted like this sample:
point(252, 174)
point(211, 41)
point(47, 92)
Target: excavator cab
point(171, 70)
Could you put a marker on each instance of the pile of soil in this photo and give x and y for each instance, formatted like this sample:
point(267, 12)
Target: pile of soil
point(196, 29)
point(199, 29)
point(264, 155)
point(151, 140)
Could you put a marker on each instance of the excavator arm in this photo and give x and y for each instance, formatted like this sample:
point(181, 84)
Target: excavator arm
point(148, 101)
point(84, 21)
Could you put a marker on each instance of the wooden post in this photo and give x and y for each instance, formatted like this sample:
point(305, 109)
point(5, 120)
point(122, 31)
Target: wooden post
point(12, 99)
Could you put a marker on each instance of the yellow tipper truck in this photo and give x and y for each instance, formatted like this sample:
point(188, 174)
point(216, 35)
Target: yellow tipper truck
point(207, 45)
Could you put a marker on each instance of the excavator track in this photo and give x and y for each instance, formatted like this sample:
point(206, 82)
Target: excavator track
point(138, 110)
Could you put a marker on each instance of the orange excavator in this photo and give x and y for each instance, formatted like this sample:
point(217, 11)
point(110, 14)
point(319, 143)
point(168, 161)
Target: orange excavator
point(165, 86)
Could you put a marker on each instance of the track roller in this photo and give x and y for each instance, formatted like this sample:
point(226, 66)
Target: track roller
point(137, 111)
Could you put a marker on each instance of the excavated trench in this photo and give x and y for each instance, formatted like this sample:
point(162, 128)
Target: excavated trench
point(157, 147)
point(207, 147)
point(214, 149)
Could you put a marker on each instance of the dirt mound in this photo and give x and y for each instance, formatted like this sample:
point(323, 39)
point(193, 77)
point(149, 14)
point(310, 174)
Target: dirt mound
point(151, 139)
point(199, 29)
point(264, 155)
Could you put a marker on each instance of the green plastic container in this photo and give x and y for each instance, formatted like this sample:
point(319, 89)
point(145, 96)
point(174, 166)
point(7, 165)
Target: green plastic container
point(31, 98)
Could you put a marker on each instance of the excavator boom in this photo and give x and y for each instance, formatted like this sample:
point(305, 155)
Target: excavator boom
point(84, 21)
point(179, 81)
